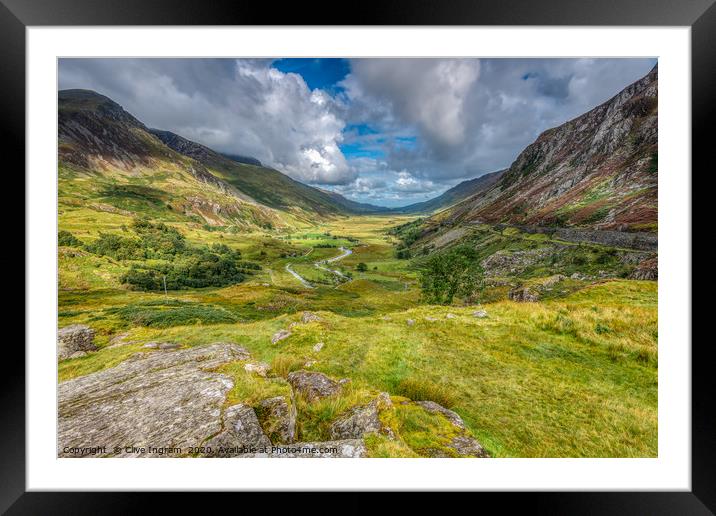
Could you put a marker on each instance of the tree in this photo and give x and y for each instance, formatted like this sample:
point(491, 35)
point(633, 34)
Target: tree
point(456, 272)
point(361, 267)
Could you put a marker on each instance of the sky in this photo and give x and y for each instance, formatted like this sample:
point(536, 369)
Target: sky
point(389, 132)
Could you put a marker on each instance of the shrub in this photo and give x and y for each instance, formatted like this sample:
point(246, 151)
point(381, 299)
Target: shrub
point(402, 253)
point(361, 267)
point(172, 314)
point(117, 247)
point(68, 239)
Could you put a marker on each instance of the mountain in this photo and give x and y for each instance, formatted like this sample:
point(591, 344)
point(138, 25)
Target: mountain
point(354, 206)
point(266, 185)
point(134, 173)
point(453, 195)
point(96, 135)
point(597, 171)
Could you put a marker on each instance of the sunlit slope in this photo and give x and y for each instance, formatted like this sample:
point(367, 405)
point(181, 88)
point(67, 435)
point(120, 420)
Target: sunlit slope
point(110, 164)
point(570, 377)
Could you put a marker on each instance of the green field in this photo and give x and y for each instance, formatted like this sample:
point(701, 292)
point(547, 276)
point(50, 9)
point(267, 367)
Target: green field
point(574, 375)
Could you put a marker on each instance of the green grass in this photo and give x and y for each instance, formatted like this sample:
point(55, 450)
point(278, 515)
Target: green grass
point(572, 376)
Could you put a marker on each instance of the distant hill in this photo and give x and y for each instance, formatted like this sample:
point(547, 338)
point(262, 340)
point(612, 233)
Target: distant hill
point(453, 195)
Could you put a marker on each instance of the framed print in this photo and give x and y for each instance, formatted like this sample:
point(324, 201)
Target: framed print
point(438, 250)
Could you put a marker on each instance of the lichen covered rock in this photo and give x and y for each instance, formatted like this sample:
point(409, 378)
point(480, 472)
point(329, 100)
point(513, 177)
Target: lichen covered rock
point(362, 419)
point(278, 419)
point(74, 339)
point(313, 385)
point(242, 434)
point(156, 403)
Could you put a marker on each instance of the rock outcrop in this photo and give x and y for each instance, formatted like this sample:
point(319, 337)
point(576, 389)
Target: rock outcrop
point(647, 270)
point(242, 434)
point(313, 385)
point(157, 403)
point(75, 340)
point(523, 294)
point(280, 335)
point(362, 419)
point(308, 317)
point(278, 419)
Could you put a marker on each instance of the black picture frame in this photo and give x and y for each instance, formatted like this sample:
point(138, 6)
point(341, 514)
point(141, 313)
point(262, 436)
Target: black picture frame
point(700, 15)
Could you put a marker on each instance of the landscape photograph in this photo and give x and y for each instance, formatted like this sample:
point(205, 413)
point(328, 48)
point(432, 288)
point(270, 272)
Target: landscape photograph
point(357, 257)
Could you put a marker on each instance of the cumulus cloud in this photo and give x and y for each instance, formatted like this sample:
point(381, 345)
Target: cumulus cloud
point(473, 116)
point(427, 93)
point(237, 106)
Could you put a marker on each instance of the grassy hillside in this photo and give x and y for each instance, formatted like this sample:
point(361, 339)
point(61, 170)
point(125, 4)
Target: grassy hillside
point(266, 185)
point(163, 240)
point(573, 375)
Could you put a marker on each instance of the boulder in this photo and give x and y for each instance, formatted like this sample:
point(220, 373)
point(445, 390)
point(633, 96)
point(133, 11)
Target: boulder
point(168, 345)
point(430, 319)
point(450, 316)
point(280, 335)
point(647, 270)
point(480, 314)
point(467, 446)
point(168, 401)
point(72, 339)
point(313, 385)
point(318, 347)
point(362, 419)
point(278, 419)
point(260, 368)
point(308, 317)
point(410, 322)
point(523, 294)
point(242, 433)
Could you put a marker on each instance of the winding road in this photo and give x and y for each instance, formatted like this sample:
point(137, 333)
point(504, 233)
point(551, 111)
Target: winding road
point(321, 265)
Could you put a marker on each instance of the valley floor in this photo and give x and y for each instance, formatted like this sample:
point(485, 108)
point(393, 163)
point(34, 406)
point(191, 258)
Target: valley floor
point(573, 375)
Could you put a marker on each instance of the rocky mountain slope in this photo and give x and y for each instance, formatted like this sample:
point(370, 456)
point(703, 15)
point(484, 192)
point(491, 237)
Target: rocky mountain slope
point(597, 171)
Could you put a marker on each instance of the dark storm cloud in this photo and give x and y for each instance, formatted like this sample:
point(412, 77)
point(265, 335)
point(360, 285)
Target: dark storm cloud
point(393, 131)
